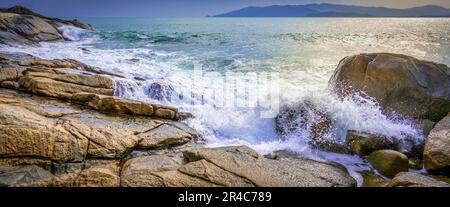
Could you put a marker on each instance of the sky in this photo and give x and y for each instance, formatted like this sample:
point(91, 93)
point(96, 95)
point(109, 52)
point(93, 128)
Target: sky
point(181, 8)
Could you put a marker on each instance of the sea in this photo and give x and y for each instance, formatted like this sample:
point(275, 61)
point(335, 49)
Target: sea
point(235, 75)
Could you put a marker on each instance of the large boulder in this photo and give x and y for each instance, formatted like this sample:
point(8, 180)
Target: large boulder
point(409, 179)
point(436, 154)
point(401, 84)
point(389, 162)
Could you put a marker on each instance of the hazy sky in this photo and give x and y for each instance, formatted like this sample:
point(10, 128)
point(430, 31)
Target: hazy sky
point(180, 8)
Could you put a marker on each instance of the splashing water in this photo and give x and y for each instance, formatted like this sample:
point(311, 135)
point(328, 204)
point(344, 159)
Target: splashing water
point(165, 53)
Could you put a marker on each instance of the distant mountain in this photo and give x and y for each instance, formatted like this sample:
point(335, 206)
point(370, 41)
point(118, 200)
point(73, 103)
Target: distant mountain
point(336, 10)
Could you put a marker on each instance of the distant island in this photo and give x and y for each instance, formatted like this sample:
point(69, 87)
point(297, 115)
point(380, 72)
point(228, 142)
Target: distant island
point(336, 10)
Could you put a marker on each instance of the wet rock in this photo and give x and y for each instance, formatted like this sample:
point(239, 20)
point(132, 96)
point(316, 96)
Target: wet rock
point(401, 84)
point(363, 144)
point(85, 50)
point(181, 115)
point(164, 135)
point(410, 147)
point(133, 60)
point(425, 126)
point(415, 163)
point(409, 179)
point(160, 91)
point(303, 118)
point(437, 147)
point(389, 162)
point(371, 179)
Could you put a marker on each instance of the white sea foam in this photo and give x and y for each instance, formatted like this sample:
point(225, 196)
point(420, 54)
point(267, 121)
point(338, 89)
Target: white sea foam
point(72, 33)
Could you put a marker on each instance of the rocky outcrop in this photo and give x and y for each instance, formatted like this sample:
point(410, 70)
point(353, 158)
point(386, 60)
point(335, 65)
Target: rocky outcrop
point(409, 179)
point(230, 166)
point(20, 25)
point(61, 126)
point(389, 162)
point(437, 147)
point(73, 81)
point(22, 61)
point(401, 84)
point(54, 21)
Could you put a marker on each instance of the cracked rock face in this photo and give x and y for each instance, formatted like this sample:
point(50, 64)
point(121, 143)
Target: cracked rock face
point(230, 166)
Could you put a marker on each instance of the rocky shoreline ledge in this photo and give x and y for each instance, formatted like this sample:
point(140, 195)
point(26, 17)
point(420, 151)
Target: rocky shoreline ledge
point(61, 125)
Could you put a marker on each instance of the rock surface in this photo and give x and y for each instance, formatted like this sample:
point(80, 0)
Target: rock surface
point(409, 179)
point(437, 147)
point(363, 144)
point(412, 87)
point(371, 179)
point(20, 25)
point(230, 166)
point(389, 162)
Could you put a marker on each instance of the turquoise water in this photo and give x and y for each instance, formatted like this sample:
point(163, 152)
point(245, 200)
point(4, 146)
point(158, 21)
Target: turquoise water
point(292, 59)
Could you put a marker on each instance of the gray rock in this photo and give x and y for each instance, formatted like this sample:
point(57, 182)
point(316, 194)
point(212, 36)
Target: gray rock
point(409, 179)
point(13, 175)
point(437, 147)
